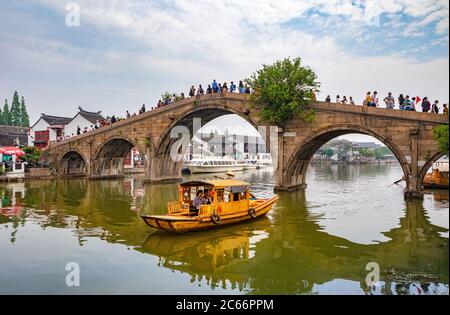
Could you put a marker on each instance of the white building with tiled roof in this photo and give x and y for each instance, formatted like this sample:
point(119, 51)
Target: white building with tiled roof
point(84, 120)
point(53, 128)
point(47, 129)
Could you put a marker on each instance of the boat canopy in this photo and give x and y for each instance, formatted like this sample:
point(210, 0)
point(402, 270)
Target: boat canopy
point(218, 183)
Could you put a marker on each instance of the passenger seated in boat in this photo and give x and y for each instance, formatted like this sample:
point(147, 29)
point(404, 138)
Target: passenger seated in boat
point(198, 201)
point(207, 197)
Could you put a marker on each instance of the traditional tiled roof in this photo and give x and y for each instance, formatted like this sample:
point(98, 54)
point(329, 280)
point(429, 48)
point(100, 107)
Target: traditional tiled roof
point(55, 120)
point(91, 116)
point(9, 135)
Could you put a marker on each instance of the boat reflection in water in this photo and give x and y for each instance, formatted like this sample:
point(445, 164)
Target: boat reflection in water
point(287, 252)
point(205, 256)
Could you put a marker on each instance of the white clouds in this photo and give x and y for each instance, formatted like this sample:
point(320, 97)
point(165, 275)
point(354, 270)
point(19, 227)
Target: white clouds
point(194, 41)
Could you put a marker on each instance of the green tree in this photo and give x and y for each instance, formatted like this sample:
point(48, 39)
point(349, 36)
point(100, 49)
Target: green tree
point(366, 152)
point(441, 136)
point(25, 118)
point(2, 118)
point(328, 152)
point(283, 90)
point(6, 114)
point(16, 114)
point(380, 153)
point(32, 156)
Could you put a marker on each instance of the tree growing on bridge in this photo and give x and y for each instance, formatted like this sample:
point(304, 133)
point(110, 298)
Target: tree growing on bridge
point(283, 90)
point(441, 136)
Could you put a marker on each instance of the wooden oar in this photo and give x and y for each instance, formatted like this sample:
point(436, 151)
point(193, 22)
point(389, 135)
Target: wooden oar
point(397, 182)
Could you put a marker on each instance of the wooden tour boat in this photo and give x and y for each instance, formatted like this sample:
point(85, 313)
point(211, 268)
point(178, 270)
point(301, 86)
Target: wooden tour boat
point(438, 178)
point(227, 202)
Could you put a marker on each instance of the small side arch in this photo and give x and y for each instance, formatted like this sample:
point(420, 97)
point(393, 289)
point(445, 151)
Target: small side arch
point(108, 159)
point(73, 163)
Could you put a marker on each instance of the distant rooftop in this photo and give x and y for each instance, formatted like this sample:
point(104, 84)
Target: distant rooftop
point(9, 135)
point(91, 116)
point(366, 145)
point(55, 120)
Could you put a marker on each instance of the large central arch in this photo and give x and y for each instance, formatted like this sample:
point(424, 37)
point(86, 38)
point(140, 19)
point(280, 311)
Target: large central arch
point(295, 172)
point(163, 167)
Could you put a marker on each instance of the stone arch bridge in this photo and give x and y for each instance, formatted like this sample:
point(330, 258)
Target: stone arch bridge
point(101, 153)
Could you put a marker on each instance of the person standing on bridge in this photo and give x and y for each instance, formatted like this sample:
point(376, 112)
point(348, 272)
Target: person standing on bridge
point(352, 102)
point(445, 111)
point(232, 87)
point(368, 99)
point(426, 105)
point(435, 108)
point(200, 90)
point(313, 95)
point(241, 87)
point(375, 99)
point(389, 101)
point(113, 119)
point(128, 114)
point(409, 104)
point(78, 130)
point(209, 89)
point(338, 99)
point(192, 91)
point(215, 87)
point(401, 102)
point(328, 99)
point(344, 100)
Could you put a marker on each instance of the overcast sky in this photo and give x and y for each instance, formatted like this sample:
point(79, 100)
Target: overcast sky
point(126, 53)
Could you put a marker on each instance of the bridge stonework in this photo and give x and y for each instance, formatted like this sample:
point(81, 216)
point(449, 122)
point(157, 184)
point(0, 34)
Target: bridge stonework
point(101, 153)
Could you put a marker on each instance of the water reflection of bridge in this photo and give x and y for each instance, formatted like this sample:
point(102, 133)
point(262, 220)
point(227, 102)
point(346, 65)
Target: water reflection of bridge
point(286, 254)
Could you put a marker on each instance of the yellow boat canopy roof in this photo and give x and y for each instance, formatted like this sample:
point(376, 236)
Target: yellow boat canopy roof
point(217, 183)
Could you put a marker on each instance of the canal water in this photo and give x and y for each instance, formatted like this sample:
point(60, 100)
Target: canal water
point(329, 239)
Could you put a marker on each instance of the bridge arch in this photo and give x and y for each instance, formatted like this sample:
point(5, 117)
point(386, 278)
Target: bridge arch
point(162, 165)
point(108, 159)
point(73, 163)
point(294, 174)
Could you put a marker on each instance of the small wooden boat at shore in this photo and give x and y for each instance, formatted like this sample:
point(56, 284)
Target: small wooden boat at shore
point(226, 202)
point(438, 178)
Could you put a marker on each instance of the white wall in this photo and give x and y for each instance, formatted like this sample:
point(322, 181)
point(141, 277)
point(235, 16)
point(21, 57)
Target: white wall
point(71, 128)
point(41, 125)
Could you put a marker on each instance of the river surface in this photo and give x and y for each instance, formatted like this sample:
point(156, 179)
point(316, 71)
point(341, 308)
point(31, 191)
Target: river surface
point(329, 239)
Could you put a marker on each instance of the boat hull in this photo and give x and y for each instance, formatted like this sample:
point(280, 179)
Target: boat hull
point(183, 224)
point(214, 169)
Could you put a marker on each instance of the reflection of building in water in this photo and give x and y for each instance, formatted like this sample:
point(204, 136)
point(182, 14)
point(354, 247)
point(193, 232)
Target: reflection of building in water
point(9, 201)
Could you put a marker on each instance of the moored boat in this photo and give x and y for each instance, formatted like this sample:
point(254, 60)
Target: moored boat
point(202, 166)
point(224, 202)
point(438, 178)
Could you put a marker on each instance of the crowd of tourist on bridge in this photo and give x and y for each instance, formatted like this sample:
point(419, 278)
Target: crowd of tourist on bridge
point(404, 102)
point(372, 99)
